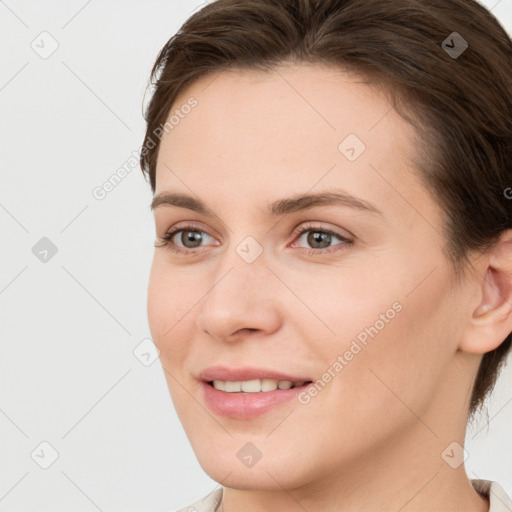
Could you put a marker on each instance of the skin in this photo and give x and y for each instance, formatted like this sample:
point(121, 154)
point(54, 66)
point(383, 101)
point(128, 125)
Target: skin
point(372, 438)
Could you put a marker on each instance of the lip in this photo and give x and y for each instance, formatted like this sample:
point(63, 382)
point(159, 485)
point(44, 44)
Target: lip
point(246, 373)
point(239, 405)
point(246, 406)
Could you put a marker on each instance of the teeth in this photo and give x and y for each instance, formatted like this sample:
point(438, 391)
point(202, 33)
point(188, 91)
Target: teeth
point(232, 387)
point(254, 386)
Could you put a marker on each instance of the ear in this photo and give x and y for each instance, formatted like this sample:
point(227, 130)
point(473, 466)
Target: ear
point(491, 321)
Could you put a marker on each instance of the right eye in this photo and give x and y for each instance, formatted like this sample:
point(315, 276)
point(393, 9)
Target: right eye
point(193, 236)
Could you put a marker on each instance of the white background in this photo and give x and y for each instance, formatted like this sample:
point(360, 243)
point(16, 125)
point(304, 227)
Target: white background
point(69, 326)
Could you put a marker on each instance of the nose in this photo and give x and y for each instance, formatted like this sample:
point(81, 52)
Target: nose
point(242, 300)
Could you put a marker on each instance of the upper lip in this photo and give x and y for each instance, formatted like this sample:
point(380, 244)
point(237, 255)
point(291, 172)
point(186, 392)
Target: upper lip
point(246, 373)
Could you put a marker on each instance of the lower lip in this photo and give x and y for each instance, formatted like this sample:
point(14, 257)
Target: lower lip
point(247, 405)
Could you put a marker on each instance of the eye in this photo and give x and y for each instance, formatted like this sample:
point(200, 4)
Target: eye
point(320, 238)
point(191, 237)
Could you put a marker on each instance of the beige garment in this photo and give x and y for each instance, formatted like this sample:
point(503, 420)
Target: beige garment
point(498, 498)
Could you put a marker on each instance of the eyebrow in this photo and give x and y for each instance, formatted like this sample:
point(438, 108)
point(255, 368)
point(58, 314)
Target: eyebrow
point(292, 204)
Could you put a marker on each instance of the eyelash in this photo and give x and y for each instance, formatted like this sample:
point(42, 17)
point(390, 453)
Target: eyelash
point(166, 240)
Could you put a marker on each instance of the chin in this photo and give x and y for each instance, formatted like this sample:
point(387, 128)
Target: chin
point(225, 464)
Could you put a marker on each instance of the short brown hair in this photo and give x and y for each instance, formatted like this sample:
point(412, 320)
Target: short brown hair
point(460, 105)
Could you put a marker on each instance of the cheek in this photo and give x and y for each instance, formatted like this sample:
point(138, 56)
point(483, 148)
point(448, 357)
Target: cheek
point(166, 305)
point(395, 340)
point(400, 366)
point(169, 301)
point(158, 303)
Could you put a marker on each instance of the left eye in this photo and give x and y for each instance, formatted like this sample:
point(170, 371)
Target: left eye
point(321, 236)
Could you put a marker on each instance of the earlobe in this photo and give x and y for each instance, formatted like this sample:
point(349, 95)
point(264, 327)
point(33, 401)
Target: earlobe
point(491, 320)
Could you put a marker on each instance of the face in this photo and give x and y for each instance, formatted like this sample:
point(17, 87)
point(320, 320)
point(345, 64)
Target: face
point(351, 295)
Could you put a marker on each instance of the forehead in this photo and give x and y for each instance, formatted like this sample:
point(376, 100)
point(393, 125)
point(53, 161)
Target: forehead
point(270, 102)
point(288, 130)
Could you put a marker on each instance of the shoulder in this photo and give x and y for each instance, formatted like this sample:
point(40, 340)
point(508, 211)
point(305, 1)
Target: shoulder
point(499, 501)
point(207, 504)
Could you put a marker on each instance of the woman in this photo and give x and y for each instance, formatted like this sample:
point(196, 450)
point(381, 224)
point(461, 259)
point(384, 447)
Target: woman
point(331, 287)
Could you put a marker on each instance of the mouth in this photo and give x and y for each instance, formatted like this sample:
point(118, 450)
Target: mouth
point(249, 399)
point(256, 385)
point(244, 378)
